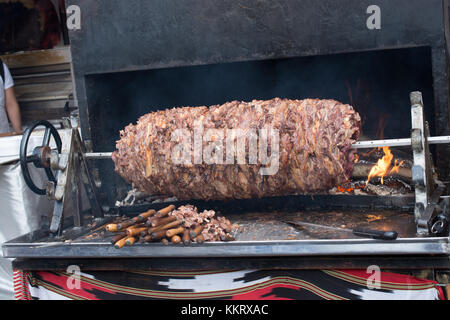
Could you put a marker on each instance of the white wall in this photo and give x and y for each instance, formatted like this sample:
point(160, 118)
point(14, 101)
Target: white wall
point(21, 211)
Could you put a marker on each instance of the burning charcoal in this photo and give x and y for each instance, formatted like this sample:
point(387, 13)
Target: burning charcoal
point(383, 190)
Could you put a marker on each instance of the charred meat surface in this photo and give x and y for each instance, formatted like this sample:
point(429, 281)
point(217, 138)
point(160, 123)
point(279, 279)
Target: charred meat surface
point(315, 155)
point(212, 227)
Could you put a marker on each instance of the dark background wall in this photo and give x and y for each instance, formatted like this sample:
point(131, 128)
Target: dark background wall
point(376, 83)
point(29, 25)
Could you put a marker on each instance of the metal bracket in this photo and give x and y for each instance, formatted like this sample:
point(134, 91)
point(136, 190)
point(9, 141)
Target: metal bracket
point(427, 189)
point(72, 174)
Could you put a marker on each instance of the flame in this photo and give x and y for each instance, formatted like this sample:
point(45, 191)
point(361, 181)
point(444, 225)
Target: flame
point(396, 167)
point(381, 169)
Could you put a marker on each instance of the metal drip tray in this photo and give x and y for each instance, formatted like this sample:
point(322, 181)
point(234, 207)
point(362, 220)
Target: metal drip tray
point(261, 235)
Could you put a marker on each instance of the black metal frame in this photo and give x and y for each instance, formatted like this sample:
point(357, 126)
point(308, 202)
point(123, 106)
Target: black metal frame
point(413, 262)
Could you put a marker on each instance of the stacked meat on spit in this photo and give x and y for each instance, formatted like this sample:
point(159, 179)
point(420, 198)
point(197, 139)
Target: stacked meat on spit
point(314, 139)
point(184, 225)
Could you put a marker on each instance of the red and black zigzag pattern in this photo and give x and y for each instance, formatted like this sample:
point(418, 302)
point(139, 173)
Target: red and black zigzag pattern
point(232, 285)
point(21, 283)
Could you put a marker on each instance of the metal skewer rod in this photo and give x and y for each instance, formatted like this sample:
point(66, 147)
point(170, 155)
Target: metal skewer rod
point(397, 142)
point(98, 155)
point(358, 145)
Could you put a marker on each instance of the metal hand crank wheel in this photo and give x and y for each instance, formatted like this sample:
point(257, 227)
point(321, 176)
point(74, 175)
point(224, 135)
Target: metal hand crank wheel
point(40, 156)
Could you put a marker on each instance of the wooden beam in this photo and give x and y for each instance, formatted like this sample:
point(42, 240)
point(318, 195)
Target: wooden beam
point(36, 58)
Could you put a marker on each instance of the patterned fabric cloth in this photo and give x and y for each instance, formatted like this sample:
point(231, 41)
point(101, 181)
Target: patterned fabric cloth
point(235, 285)
point(21, 288)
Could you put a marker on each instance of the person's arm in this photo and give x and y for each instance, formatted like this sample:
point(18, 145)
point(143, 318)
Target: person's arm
point(12, 108)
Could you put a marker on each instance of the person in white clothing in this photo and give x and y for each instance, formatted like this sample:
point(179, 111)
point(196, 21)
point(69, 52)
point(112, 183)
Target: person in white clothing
point(9, 108)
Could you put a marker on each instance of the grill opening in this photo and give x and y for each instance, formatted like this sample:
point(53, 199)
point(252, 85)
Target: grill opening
point(376, 83)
